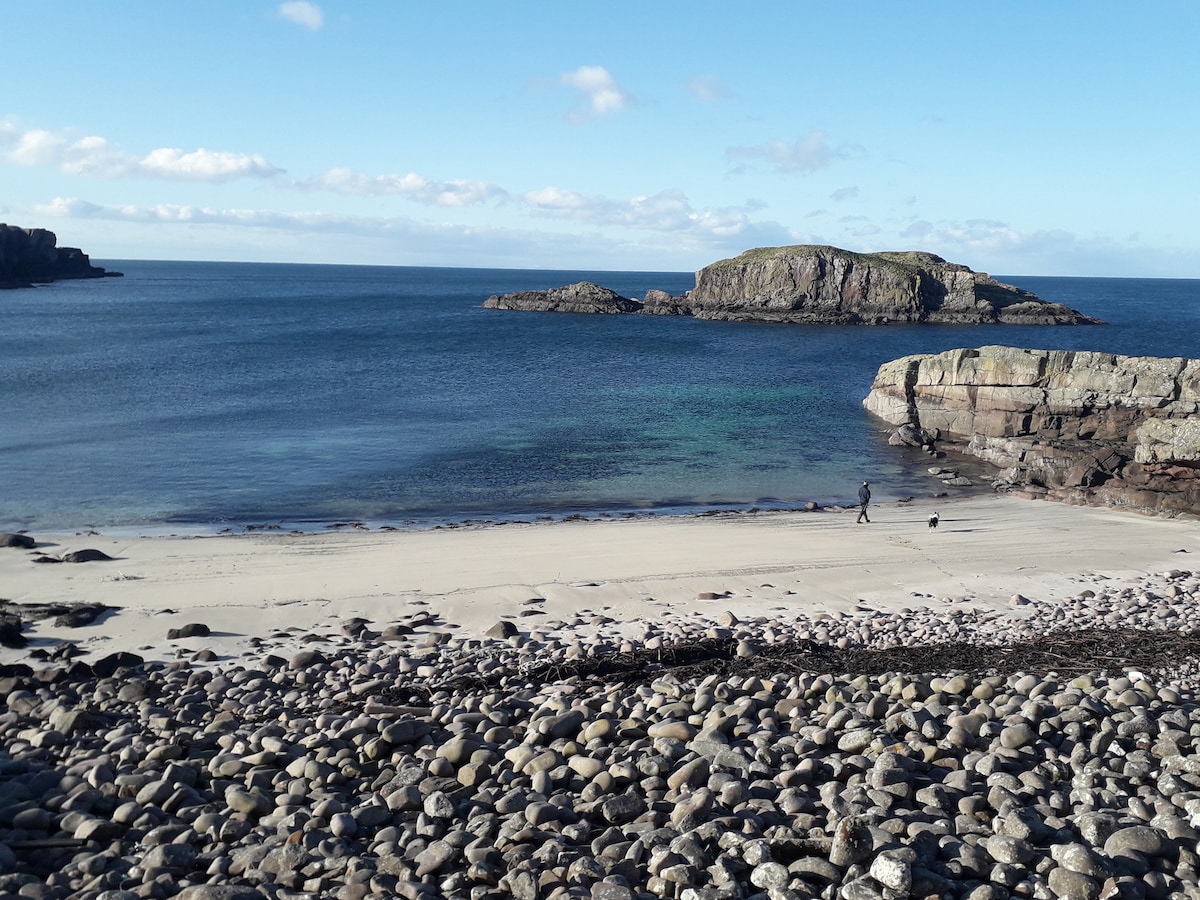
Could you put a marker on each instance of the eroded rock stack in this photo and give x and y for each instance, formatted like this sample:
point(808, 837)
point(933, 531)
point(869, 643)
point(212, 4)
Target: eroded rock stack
point(31, 256)
point(429, 765)
point(1083, 427)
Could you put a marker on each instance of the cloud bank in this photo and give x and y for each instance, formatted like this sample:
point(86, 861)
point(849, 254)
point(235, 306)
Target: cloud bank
point(452, 193)
point(95, 156)
point(806, 154)
point(300, 12)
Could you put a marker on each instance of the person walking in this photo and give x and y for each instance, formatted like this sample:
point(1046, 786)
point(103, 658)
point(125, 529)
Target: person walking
point(864, 498)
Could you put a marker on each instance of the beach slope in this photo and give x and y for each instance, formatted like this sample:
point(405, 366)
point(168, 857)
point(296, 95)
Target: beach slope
point(251, 586)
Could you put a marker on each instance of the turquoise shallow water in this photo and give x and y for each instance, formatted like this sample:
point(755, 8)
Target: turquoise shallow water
point(194, 396)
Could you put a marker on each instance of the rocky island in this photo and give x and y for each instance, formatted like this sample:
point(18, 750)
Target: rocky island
point(1082, 427)
point(30, 256)
point(821, 285)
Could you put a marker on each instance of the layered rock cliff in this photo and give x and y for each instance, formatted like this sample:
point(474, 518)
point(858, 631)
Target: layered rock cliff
point(31, 256)
point(825, 285)
point(1082, 427)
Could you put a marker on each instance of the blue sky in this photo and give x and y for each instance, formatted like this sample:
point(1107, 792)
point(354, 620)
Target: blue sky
point(1018, 138)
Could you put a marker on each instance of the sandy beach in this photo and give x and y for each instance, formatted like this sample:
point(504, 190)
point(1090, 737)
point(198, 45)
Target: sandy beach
point(675, 709)
point(634, 571)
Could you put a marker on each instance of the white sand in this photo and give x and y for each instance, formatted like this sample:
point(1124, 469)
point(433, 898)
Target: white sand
point(632, 570)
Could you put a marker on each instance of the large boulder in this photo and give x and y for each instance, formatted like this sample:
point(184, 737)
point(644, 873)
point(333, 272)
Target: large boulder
point(1070, 425)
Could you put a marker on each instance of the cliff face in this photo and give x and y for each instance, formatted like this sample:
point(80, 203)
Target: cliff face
point(1093, 428)
point(822, 285)
point(31, 255)
point(825, 284)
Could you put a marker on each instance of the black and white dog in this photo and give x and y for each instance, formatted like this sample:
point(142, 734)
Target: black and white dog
point(933, 521)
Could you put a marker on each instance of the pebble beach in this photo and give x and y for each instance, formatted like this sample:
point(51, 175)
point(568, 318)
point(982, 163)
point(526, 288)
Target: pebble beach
point(454, 713)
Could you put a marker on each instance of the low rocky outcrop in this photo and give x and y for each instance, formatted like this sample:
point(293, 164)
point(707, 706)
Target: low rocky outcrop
point(583, 297)
point(31, 256)
point(1081, 427)
point(822, 285)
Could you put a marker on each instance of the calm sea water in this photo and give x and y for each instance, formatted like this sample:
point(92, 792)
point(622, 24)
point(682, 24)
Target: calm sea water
point(196, 396)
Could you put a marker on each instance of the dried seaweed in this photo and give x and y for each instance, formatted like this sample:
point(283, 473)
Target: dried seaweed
point(1066, 653)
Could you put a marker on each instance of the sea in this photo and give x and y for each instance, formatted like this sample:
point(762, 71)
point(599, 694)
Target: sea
point(200, 397)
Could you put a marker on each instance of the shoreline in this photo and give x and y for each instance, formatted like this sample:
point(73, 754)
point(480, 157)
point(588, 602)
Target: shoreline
point(462, 581)
point(979, 473)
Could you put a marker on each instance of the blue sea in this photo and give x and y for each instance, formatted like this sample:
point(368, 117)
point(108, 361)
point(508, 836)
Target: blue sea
point(195, 397)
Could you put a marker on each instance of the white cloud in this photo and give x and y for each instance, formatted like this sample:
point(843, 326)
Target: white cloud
point(87, 156)
point(977, 233)
point(667, 212)
point(452, 193)
point(93, 155)
point(846, 193)
point(301, 12)
point(173, 214)
point(558, 200)
point(69, 208)
point(204, 165)
point(806, 154)
point(601, 93)
point(707, 89)
point(918, 229)
point(691, 239)
point(997, 247)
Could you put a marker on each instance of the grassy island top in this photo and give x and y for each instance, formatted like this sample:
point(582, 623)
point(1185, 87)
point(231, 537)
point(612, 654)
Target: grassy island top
point(907, 260)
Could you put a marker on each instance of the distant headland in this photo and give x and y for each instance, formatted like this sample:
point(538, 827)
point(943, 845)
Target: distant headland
point(30, 256)
point(813, 284)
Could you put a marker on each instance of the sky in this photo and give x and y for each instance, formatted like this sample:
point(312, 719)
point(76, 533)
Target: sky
point(1026, 137)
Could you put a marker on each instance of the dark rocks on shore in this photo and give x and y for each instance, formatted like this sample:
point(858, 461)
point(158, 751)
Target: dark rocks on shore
point(66, 615)
point(86, 555)
point(10, 630)
point(76, 615)
point(821, 285)
point(503, 629)
point(76, 556)
point(30, 256)
point(192, 629)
